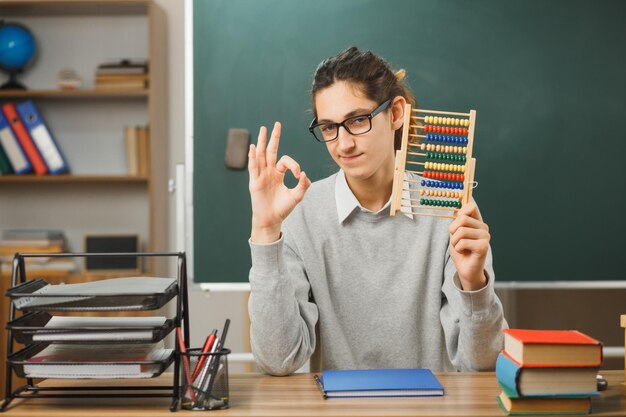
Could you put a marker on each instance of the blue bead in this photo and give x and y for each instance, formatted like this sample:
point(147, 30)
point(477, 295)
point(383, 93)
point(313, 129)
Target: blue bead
point(423, 183)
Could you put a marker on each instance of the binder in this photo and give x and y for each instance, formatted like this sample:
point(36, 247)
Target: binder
point(42, 137)
point(5, 165)
point(12, 148)
point(29, 147)
point(411, 382)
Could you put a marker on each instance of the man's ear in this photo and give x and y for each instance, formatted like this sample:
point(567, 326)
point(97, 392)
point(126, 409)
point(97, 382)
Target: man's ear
point(397, 112)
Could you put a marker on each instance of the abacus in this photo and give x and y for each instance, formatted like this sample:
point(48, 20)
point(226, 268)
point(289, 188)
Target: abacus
point(441, 144)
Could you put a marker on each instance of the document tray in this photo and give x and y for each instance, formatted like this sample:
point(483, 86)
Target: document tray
point(24, 368)
point(31, 328)
point(26, 298)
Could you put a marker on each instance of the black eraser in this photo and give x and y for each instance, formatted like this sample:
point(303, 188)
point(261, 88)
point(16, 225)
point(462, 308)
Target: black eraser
point(237, 148)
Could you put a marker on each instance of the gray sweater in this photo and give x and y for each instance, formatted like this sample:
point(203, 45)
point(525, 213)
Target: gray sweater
point(383, 291)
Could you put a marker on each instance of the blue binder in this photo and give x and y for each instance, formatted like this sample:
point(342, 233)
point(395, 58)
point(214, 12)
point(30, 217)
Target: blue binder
point(414, 382)
point(42, 137)
point(12, 149)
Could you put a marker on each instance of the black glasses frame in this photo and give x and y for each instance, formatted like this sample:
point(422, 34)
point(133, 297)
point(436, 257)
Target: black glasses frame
point(370, 116)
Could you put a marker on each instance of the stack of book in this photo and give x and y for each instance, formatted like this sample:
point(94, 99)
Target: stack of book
point(36, 241)
point(138, 150)
point(26, 143)
point(548, 372)
point(122, 75)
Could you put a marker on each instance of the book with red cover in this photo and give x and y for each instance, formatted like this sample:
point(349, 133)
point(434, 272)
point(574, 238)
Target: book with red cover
point(25, 140)
point(555, 348)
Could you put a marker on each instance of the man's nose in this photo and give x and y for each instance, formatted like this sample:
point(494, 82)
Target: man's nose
point(345, 138)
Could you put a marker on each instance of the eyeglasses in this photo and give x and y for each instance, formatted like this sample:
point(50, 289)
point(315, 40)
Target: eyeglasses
point(355, 125)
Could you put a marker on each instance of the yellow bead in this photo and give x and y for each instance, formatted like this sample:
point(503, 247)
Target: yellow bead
point(448, 120)
point(437, 148)
point(456, 122)
point(421, 192)
point(467, 122)
point(464, 149)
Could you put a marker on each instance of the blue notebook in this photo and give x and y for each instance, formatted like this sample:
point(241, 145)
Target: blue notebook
point(380, 383)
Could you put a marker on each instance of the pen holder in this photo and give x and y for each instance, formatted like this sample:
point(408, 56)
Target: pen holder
point(205, 380)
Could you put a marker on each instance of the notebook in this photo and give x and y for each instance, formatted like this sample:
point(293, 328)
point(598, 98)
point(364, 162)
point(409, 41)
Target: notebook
point(414, 382)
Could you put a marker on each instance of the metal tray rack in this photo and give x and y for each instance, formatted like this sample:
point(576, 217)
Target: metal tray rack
point(23, 329)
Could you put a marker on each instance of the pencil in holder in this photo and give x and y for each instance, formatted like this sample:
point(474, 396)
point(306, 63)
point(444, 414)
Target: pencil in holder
point(205, 380)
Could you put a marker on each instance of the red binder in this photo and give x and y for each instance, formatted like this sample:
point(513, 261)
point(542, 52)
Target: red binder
point(25, 140)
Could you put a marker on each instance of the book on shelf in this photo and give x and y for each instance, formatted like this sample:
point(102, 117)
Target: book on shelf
point(42, 137)
point(5, 164)
point(132, 150)
point(543, 405)
point(137, 141)
point(143, 154)
point(93, 361)
point(123, 74)
point(12, 148)
point(121, 85)
point(123, 66)
point(31, 241)
point(24, 139)
point(411, 382)
point(518, 381)
point(33, 234)
point(565, 348)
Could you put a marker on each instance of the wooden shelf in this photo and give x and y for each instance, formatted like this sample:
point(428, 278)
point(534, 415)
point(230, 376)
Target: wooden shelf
point(117, 94)
point(72, 179)
point(74, 7)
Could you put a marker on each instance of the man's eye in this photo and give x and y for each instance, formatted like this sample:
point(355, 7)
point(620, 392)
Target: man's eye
point(327, 128)
point(357, 121)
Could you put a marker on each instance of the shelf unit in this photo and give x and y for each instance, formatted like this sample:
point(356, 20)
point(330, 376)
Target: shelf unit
point(98, 196)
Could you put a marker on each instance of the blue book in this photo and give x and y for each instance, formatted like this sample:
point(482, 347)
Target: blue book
point(39, 132)
point(518, 381)
point(415, 382)
point(12, 148)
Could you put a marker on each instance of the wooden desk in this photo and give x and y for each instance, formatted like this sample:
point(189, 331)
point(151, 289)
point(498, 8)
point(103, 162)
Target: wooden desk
point(467, 394)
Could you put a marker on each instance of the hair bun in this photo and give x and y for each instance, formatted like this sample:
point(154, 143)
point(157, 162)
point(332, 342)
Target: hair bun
point(400, 74)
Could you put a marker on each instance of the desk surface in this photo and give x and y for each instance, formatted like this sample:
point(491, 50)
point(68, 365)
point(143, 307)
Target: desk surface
point(467, 394)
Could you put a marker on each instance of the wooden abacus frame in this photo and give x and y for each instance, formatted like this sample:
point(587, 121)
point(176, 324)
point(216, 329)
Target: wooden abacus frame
point(413, 136)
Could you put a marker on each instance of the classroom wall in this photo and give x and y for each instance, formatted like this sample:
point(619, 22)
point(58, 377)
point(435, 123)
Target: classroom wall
point(533, 309)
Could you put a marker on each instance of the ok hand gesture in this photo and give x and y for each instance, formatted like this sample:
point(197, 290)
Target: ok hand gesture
point(271, 200)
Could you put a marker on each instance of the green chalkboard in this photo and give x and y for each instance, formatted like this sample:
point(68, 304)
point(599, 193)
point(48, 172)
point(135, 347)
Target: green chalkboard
point(547, 79)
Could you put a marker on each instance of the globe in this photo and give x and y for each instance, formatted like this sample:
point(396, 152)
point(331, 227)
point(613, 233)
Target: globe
point(17, 50)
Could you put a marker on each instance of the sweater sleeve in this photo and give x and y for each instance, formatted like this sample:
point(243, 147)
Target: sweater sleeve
point(472, 321)
point(282, 313)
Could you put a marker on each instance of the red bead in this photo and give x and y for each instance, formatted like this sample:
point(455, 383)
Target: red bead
point(462, 177)
point(426, 174)
point(457, 130)
point(448, 130)
point(438, 129)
